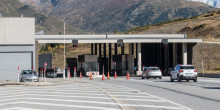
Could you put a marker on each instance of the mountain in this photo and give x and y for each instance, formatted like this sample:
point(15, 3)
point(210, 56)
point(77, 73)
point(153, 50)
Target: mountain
point(213, 3)
point(50, 25)
point(102, 16)
point(205, 26)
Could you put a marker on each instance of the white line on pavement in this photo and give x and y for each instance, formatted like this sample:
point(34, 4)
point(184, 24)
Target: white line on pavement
point(20, 108)
point(61, 105)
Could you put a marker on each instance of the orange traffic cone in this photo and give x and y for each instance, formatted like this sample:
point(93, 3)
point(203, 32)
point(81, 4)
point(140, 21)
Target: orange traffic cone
point(128, 76)
point(90, 76)
point(69, 75)
point(115, 75)
point(103, 77)
point(108, 76)
point(80, 74)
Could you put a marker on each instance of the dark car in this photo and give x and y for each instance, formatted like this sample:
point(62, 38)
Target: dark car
point(50, 73)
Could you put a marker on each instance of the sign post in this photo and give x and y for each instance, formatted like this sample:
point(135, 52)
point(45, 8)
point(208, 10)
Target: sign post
point(54, 73)
point(45, 67)
point(33, 74)
point(74, 73)
point(18, 75)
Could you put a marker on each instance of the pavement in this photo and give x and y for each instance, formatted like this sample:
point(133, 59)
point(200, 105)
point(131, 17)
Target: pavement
point(84, 95)
point(113, 94)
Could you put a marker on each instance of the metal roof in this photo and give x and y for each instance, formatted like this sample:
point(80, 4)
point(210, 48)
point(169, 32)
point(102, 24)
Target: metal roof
point(127, 38)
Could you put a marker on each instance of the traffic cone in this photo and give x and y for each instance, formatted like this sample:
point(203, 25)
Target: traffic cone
point(80, 74)
point(108, 76)
point(128, 76)
point(90, 76)
point(69, 75)
point(103, 77)
point(115, 75)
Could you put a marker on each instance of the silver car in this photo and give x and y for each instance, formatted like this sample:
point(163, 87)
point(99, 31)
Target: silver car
point(28, 75)
point(152, 72)
point(184, 72)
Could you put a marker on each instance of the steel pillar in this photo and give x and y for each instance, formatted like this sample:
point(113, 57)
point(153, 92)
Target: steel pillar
point(174, 54)
point(95, 48)
point(92, 48)
point(139, 72)
point(184, 53)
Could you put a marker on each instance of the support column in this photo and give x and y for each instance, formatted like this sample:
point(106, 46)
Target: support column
point(105, 63)
point(122, 49)
point(166, 59)
point(130, 68)
point(139, 72)
point(95, 48)
point(184, 53)
point(174, 55)
point(110, 57)
point(92, 48)
point(100, 50)
point(116, 49)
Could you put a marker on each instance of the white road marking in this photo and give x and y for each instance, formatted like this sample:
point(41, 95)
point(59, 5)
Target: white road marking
point(61, 105)
point(20, 108)
point(98, 102)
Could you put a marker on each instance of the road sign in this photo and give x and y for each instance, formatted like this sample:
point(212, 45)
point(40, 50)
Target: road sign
point(45, 64)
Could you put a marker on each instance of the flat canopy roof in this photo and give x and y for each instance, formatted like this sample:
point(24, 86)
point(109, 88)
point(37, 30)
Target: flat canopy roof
point(127, 38)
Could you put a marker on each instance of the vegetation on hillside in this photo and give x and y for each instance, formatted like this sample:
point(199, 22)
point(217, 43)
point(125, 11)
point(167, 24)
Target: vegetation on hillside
point(205, 26)
point(104, 16)
point(50, 25)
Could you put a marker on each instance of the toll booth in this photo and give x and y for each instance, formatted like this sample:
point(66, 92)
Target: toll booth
point(121, 64)
point(88, 64)
point(71, 63)
point(103, 62)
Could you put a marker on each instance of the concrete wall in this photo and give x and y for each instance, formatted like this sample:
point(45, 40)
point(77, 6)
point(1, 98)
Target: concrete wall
point(17, 31)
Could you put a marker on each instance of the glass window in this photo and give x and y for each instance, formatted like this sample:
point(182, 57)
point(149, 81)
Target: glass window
point(187, 67)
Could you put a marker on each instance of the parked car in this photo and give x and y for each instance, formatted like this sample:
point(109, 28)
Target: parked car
point(152, 72)
point(28, 75)
point(50, 73)
point(184, 72)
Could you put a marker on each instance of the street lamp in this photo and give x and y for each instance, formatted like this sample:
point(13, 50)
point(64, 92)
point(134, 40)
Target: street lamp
point(64, 32)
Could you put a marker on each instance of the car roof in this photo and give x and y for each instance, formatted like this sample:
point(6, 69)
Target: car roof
point(186, 65)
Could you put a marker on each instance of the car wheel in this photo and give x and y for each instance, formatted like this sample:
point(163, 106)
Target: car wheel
point(172, 80)
point(179, 79)
point(195, 80)
point(155, 78)
point(160, 77)
point(142, 77)
point(147, 77)
point(187, 80)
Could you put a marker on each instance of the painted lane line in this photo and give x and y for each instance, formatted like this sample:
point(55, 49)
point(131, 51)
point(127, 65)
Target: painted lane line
point(91, 97)
point(62, 90)
point(96, 102)
point(61, 93)
point(179, 105)
point(20, 108)
point(62, 105)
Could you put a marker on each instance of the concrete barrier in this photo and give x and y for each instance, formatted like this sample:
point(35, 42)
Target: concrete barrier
point(210, 75)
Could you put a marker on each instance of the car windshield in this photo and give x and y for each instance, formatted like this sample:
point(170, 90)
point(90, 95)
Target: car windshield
point(154, 69)
point(28, 72)
point(187, 67)
point(50, 70)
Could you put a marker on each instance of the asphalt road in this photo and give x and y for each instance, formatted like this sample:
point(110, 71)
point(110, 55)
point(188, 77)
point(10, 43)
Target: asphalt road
point(202, 95)
point(115, 94)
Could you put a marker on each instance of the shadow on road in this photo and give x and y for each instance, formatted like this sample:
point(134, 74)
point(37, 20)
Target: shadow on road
point(211, 87)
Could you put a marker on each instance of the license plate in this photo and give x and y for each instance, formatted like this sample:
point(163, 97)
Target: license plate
point(188, 74)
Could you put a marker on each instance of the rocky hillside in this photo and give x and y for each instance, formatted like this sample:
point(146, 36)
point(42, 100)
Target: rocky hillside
point(214, 3)
point(101, 16)
point(50, 25)
point(206, 26)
